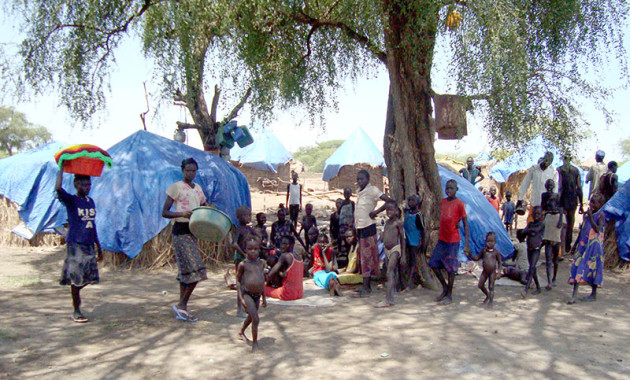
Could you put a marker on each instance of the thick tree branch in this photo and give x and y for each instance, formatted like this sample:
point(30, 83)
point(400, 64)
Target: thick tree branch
point(215, 103)
point(238, 107)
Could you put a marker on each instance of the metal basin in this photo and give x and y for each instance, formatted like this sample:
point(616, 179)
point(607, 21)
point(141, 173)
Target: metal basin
point(210, 224)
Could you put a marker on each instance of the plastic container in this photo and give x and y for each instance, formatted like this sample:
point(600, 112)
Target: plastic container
point(210, 224)
point(224, 139)
point(85, 166)
point(246, 139)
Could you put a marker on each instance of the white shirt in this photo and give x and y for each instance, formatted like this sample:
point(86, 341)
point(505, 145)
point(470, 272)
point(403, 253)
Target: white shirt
point(294, 194)
point(537, 178)
point(366, 203)
point(593, 175)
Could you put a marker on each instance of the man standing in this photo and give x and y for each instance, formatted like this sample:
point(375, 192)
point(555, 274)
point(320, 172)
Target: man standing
point(364, 214)
point(595, 172)
point(570, 190)
point(536, 176)
point(471, 172)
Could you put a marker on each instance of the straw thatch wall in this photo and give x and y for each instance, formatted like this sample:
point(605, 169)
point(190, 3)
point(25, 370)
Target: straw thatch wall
point(611, 250)
point(156, 253)
point(9, 218)
point(512, 184)
point(281, 178)
point(347, 176)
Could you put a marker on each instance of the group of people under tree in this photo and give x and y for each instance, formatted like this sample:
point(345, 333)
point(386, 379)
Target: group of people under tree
point(269, 266)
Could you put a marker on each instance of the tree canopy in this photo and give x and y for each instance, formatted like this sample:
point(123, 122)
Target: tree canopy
point(314, 157)
point(17, 133)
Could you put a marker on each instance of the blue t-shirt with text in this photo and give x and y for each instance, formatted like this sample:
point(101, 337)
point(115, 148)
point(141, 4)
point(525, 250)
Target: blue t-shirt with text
point(81, 214)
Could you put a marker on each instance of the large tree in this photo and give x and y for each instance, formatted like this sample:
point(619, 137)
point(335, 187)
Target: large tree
point(17, 133)
point(521, 63)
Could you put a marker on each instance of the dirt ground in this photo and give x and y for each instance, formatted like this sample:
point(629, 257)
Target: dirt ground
point(133, 333)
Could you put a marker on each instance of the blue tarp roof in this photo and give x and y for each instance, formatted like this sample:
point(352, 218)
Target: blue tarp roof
point(483, 158)
point(618, 209)
point(265, 153)
point(357, 149)
point(482, 217)
point(128, 197)
point(525, 158)
point(623, 173)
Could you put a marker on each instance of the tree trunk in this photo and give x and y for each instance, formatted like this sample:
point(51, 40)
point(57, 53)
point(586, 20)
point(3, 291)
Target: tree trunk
point(409, 138)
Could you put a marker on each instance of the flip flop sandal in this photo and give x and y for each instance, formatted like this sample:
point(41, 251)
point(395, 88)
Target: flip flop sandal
point(189, 317)
point(79, 319)
point(179, 314)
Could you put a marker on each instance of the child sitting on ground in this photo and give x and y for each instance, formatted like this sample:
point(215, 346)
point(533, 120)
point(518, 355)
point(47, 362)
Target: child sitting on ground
point(250, 286)
point(508, 212)
point(80, 266)
point(393, 239)
point(535, 231)
point(491, 267)
point(308, 220)
point(588, 267)
point(307, 256)
point(553, 229)
point(325, 266)
point(350, 274)
point(518, 271)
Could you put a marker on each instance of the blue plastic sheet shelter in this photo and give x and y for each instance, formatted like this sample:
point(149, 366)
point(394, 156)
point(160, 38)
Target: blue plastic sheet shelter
point(482, 217)
point(525, 158)
point(618, 209)
point(623, 173)
point(265, 153)
point(129, 197)
point(357, 149)
point(28, 179)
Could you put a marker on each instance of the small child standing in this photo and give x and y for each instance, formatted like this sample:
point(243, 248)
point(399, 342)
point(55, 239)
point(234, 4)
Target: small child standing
point(261, 229)
point(508, 212)
point(393, 239)
point(308, 220)
point(535, 231)
point(414, 239)
point(250, 285)
point(554, 218)
point(588, 268)
point(80, 267)
point(239, 241)
point(493, 199)
point(491, 267)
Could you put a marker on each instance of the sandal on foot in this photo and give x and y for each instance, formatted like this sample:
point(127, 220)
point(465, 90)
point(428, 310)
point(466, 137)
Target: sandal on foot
point(179, 313)
point(79, 319)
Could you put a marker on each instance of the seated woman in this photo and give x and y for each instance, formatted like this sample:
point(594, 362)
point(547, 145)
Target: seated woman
point(290, 269)
point(350, 275)
point(324, 266)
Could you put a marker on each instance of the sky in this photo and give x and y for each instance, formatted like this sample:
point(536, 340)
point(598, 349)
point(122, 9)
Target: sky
point(362, 104)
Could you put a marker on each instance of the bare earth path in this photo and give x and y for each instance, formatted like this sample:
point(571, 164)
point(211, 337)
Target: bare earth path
point(132, 333)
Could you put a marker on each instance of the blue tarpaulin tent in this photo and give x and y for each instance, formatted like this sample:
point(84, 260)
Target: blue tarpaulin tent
point(618, 209)
point(525, 158)
point(24, 178)
point(265, 153)
point(482, 217)
point(623, 173)
point(128, 197)
point(357, 149)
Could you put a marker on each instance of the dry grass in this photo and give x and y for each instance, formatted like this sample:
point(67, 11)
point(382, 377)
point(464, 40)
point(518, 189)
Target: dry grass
point(156, 253)
point(347, 177)
point(9, 218)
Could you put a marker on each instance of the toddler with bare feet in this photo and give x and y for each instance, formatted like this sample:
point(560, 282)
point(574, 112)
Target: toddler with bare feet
point(535, 231)
point(393, 238)
point(250, 285)
point(491, 267)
